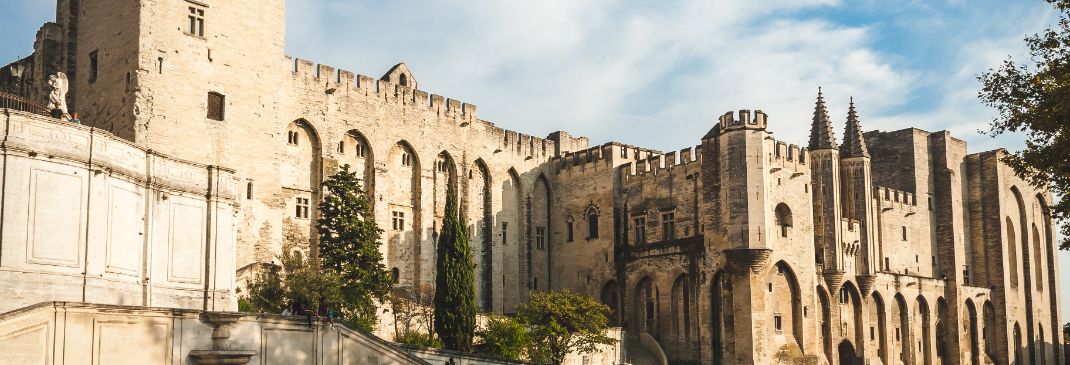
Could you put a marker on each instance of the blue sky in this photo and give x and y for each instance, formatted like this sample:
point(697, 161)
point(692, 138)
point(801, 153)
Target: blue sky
point(656, 73)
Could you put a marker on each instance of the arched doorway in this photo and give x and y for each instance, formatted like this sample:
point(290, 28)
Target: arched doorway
point(609, 298)
point(646, 307)
point(847, 353)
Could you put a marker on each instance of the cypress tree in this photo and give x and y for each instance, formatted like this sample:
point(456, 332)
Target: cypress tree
point(349, 248)
point(455, 294)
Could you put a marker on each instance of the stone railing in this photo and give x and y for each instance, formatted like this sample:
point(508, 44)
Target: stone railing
point(15, 102)
point(79, 333)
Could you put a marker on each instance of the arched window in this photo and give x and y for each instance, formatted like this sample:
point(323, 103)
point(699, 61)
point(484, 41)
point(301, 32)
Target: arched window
point(592, 222)
point(395, 275)
point(403, 80)
point(783, 218)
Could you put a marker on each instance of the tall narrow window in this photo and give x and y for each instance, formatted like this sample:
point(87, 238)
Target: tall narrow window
point(196, 21)
point(292, 138)
point(904, 233)
point(93, 63)
point(341, 147)
point(640, 230)
point(302, 208)
point(778, 322)
point(397, 220)
point(249, 190)
point(216, 106)
point(540, 238)
point(568, 229)
point(668, 226)
point(406, 159)
point(592, 223)
point(505, 233)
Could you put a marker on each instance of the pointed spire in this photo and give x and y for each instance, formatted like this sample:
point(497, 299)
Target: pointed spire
point(821, 135)
point(854, 143)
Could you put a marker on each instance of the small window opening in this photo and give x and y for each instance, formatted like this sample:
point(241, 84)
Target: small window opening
point(397, 221)
point(540, 238)
point(668, 226)
point(196, 21)
point(505, 233)
point(904, 233)
point(216, 106)
point(406, 159)
point(93, 63)
point(778, 322)
point(302, 208)
point(403, 80)
point(640, 230)
point(249, 190)
point(159, 65)
point(341, 147)
point(568, 228)
point(395, 275)
point(292, 138)
point(359, 149)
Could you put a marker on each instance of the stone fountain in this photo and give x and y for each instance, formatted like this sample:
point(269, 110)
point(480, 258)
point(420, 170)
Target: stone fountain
point(222, 352)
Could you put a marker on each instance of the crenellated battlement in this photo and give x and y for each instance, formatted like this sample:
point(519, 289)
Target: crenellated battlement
point(522, 144)
point(604, 154)
point(787, 154)
point(339, 80)
point(660, 164)
point(343, 82)
point(888, 199)
point(743, 119)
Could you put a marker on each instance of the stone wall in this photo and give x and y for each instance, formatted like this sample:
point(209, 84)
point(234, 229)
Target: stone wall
point(89, 217)
point(76, 333)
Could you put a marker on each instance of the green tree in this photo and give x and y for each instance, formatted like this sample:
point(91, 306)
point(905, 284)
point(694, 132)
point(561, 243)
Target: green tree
point(1034, 97)
point(349, 248)
point(266, 290)
point(306, 283)
point(502, 337)
point(562, 322)
point(455, 294)
point(299, 281)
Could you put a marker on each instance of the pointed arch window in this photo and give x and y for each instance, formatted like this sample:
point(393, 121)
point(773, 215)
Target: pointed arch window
point(592, 222)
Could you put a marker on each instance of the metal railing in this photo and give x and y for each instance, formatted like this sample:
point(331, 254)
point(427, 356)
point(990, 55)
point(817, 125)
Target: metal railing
point(15, 102)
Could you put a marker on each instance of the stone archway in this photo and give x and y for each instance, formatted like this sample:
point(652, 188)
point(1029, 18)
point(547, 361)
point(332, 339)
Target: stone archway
point(847, 353)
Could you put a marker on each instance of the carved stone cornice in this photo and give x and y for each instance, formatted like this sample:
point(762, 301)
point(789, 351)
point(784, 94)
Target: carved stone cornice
point(833, 279)
point(741, 259)
point(865, 283)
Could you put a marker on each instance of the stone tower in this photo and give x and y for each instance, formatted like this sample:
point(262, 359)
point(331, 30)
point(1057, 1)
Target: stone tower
point(857, 208)
point(825, 172)
point(195, 76)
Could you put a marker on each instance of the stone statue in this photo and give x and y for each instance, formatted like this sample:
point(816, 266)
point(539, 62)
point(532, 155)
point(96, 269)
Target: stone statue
point(57, 99)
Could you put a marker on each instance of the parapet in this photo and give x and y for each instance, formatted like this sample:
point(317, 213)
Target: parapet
point(786, 154)
point(340, 81)
point(744, 119)
point(889, 199)
point(659, 164)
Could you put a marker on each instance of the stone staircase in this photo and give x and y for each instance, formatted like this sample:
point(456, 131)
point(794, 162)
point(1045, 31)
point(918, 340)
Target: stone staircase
point(637, 354)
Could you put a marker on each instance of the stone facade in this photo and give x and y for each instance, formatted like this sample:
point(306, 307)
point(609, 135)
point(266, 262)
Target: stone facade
point(894, 247)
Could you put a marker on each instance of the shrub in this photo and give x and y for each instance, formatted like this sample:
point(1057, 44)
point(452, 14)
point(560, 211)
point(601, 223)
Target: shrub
point(502, 337)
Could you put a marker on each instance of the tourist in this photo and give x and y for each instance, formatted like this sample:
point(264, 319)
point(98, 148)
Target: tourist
point(74, 118)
